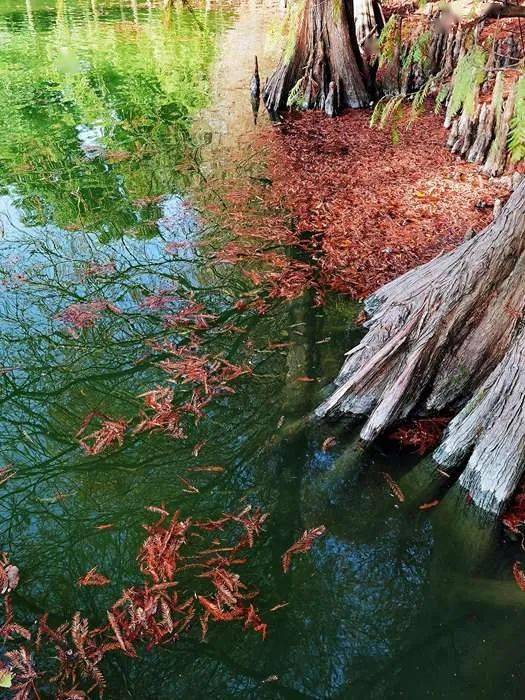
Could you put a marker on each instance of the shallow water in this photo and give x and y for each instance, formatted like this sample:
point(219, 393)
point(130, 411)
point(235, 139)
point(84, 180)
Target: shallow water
point(113, 118)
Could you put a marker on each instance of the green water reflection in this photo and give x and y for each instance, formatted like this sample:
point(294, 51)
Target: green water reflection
point(97, 160)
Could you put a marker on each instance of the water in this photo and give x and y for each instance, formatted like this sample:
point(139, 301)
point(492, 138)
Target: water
point(113, 118)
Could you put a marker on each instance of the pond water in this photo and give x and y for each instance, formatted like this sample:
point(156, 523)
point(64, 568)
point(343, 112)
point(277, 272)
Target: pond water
point(113, 117)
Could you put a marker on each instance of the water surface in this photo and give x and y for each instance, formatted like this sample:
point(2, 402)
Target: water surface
point(114, 116)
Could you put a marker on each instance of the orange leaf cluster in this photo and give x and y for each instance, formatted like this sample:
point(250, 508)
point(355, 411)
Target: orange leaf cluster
point(192, 315)
point(110, 432)
point(156, 612)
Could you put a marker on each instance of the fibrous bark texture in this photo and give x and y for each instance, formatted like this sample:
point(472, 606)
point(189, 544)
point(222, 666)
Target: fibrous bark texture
point(447, 333)
point(326, 58)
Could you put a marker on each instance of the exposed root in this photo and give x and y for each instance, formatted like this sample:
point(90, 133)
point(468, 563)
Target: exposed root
point(444, 332)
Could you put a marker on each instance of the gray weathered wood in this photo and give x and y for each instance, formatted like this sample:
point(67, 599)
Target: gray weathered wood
point(436, 335)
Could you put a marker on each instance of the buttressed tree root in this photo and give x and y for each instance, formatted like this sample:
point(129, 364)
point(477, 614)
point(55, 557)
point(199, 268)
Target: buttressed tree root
point(450, 335)
point(327, 65)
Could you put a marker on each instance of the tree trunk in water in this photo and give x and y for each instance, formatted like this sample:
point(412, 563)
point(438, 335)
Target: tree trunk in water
point(326, 58)
point(444, 333)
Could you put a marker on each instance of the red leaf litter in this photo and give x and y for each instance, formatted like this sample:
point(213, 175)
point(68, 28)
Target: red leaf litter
point(422, 434)
point(371, 209)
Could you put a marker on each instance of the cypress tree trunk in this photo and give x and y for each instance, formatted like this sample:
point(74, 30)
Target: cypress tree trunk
point(449, 334)
point(326, 67)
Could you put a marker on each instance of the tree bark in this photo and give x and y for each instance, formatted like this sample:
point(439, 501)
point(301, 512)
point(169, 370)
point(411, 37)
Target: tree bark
point(325, 51)
point(444, 333)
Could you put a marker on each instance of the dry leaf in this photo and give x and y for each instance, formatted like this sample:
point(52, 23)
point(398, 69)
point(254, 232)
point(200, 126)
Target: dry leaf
point(328, 443)
point(394, 488)
point(430, 504)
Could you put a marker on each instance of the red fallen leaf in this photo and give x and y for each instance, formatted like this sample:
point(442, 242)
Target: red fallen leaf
point(430, 504)
point(164, 416)
point(158, 556)
point(519, 575)
point(253, 620)
point(328, 443)
point(10, 627)
point(160, 300)
point(394, 488)
point(104, 526)
point(216, 613)
point(126, 647)
point(111, 431)
point(93, 578)
point(305, 379)
point(197, 448)
point(94, 269)
point(303, 544)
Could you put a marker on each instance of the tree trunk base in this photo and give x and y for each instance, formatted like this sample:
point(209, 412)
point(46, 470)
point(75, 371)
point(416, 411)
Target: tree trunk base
point(326, 69)
point(447, 333)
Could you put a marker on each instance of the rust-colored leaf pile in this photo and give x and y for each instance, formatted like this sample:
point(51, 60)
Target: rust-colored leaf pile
point(345, 209)
point(365, 209)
